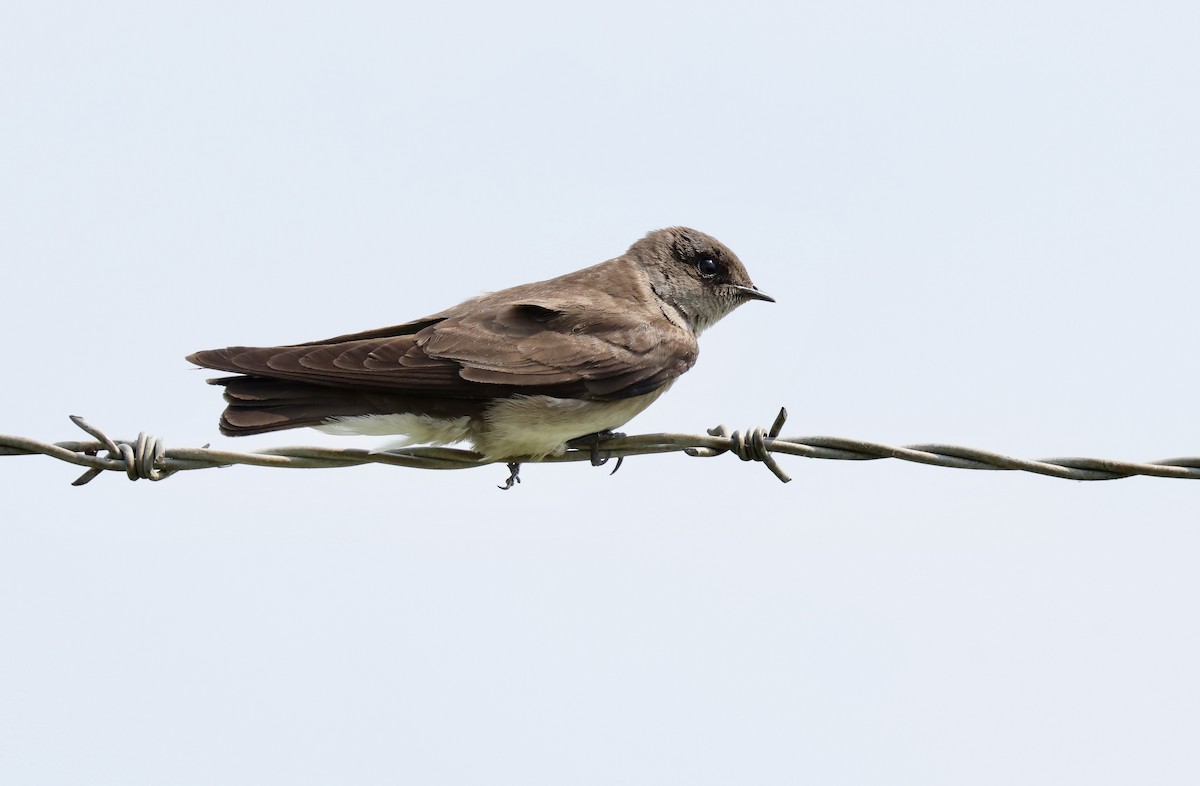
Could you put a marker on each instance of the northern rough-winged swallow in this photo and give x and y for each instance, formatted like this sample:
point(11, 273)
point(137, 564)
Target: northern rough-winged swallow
point(518, 372)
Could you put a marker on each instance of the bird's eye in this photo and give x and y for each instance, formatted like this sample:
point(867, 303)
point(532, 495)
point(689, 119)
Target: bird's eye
point(707, 266)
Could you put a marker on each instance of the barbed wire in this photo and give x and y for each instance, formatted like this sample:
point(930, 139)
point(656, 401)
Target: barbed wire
point(148, 458)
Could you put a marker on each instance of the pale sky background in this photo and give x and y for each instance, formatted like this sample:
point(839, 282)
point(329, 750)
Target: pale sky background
point(980, 223)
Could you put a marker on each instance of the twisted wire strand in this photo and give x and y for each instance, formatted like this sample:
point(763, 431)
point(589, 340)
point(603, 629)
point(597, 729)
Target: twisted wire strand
point(148, 458)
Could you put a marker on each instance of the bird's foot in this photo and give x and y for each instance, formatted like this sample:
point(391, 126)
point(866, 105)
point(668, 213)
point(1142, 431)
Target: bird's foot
point(514, 476)
point(592, 441)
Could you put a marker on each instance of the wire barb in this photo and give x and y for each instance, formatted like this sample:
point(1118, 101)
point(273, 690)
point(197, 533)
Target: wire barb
point(148, 458)
point(142, 460)
point(751, 446)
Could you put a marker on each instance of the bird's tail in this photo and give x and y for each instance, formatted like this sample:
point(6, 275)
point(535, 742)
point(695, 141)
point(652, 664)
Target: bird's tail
point(255, 405)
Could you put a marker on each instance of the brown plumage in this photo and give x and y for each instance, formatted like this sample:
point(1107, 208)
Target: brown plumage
point(616, 334)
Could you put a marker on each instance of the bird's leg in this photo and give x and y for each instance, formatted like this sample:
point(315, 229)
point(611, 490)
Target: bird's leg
point(592, 441)
point(514, 476)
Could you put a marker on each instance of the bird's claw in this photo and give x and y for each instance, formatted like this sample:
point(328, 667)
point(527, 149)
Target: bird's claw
point(592, 442)
point(514, 476)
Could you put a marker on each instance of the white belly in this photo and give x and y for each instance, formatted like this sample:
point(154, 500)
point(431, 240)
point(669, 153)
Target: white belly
point(534, 426)
point(539, 425)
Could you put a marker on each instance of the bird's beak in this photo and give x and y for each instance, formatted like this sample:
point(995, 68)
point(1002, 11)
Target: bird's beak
point(752, 292)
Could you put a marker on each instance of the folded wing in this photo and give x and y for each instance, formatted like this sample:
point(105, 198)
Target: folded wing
point(486, 350)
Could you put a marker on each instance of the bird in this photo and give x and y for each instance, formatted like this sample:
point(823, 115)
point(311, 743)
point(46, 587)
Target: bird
point(518, 373)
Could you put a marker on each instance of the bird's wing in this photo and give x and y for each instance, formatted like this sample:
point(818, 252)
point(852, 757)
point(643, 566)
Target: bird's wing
point(488, 349)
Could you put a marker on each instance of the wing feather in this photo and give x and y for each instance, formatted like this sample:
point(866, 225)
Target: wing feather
point(602, 348)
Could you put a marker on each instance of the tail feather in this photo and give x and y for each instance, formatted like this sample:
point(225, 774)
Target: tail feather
point(256, 405)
